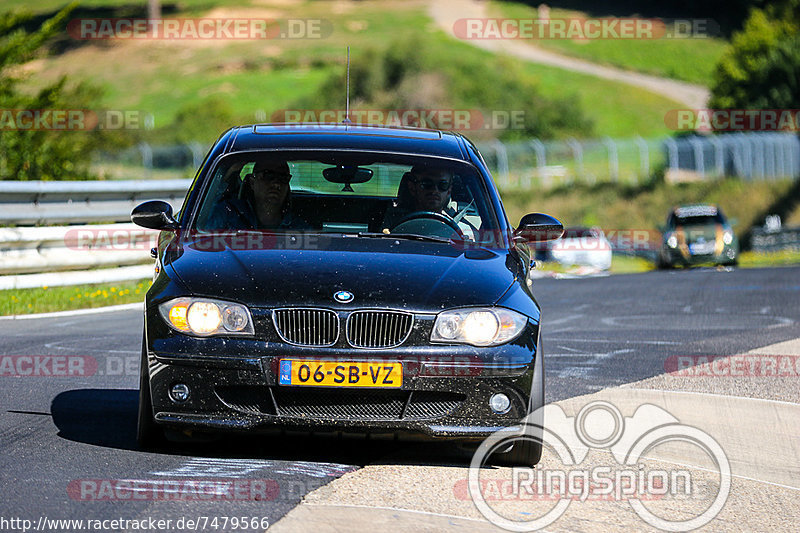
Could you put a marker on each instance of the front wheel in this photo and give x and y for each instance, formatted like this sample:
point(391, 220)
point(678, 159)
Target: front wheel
point(525, 452)
point(148, 434)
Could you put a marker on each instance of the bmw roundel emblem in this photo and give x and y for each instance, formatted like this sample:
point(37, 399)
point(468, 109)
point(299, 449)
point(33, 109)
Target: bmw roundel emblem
point(344, 297)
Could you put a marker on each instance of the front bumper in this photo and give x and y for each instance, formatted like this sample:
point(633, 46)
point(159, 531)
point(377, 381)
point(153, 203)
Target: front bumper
point(677, 256)
point(445, 392)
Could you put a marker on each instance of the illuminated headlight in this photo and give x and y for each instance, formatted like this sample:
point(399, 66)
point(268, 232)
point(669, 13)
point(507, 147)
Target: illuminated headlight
point(204, 317)
point(487, 326)
point(672, 242)
point(727, 237)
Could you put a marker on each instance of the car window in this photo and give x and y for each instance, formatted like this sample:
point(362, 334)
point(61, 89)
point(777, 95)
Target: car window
point(348, 192)
point(698, 220)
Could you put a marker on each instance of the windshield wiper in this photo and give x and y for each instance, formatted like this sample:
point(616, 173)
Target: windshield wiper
point(409, 236)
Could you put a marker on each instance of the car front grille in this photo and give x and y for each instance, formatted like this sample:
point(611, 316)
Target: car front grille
point(342, 404)
point(307, 327)
point(431, 404)
point(378, 329)
point(369, 329)
point(313, 403)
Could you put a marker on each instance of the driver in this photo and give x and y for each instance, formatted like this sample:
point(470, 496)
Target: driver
point(264, 202)
point(427, 189)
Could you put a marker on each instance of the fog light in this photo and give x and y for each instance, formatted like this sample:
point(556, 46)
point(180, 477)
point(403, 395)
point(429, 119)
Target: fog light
point(500, 403)
point(179, 392)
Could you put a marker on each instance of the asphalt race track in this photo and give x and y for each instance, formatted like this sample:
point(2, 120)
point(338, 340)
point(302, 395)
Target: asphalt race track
point(61, 437)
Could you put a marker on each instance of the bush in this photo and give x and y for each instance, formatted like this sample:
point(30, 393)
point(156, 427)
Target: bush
point(410, 75)
point(44, 154)
point(761, 68)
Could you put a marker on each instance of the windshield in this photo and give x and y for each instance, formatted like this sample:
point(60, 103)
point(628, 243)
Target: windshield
point(367, 194)
point(704, 220)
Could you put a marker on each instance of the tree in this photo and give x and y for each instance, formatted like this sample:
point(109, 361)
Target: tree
point(761, 68)
point(39, 152)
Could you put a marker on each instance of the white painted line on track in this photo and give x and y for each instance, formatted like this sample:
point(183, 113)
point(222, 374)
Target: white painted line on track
point(416, 511)
point(781, 402)
point(77, 312)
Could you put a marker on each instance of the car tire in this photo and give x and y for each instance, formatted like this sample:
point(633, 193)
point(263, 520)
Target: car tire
point(525, 452)
point(148, 434)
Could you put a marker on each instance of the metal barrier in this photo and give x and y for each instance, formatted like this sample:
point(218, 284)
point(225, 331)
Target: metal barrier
point(69, 255)
point(773, 240)
point(748, 156)
point(73, 202)
point(77, 254)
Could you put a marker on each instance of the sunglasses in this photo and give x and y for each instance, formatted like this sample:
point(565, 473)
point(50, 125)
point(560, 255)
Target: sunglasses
point(429, 184)
point(272, 176)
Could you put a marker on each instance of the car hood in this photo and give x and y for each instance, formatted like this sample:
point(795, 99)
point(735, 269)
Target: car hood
point(418, 276)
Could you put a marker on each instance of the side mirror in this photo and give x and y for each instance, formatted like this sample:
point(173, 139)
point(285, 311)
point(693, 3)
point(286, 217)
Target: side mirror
point(538, 227)
point(154, 214)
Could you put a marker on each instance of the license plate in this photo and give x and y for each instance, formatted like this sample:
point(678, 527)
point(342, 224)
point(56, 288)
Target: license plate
point(701, 248)
point(340, 374)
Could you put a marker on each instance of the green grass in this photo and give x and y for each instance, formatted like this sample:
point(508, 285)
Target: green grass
point(46, 6)
point(617, 207)
point(620, 264)
point(623, 264)
point(769, 259)
point(47, 299)
point(161, 77)
point(691, 60)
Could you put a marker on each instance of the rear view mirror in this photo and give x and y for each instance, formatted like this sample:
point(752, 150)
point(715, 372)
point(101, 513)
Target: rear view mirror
point(347, 175)
point(538, 227)
point(154, 214)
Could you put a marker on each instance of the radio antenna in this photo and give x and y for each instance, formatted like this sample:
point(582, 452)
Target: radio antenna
point(347, 95)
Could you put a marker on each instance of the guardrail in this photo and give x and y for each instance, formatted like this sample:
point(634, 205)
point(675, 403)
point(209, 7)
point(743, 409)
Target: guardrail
point(74, 202)
point(71, 255)
point(773, 240)
point(77, 254)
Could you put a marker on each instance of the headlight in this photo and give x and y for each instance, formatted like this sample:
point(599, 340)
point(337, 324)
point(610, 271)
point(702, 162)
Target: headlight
point(672, 242)
point(487, 326)
point(204, 317)
point(727, 237)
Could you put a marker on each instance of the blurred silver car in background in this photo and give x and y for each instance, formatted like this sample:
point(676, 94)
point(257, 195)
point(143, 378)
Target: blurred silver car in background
point(582, 247)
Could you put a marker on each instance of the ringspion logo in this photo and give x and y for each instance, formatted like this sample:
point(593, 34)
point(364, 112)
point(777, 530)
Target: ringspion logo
point(624, 475)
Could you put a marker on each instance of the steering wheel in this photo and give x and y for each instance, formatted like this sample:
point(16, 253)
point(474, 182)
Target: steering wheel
point(431, 215)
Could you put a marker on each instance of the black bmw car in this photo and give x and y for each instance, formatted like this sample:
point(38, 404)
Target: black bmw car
point(342, 279)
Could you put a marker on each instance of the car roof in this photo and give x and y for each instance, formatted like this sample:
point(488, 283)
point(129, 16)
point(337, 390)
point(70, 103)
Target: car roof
point(696, 210)
point(415, 141)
